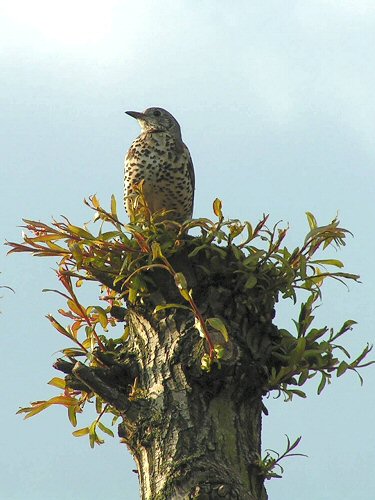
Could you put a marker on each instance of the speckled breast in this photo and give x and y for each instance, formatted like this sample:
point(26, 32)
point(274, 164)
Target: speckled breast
point(167, 181)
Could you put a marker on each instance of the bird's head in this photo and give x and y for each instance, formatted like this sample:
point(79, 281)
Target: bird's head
point(157, 120)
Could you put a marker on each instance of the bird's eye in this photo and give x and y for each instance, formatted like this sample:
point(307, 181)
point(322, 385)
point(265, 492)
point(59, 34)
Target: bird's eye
point(156, 112)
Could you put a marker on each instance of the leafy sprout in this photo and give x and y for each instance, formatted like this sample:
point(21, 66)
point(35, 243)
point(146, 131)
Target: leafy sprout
point(118, 256)
point(269, 466)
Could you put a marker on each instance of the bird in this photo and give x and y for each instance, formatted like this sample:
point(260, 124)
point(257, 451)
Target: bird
point(159, 160)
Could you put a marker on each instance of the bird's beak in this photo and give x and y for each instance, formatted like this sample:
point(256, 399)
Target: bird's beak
point(136, 115)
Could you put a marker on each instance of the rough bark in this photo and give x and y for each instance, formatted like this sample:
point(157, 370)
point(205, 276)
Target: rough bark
point(192, 434)
point(198, 434)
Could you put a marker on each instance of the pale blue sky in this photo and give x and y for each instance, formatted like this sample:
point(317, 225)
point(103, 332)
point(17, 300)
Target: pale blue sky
point(277, 105)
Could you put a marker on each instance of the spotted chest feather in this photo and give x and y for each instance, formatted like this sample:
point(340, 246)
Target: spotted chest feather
point(166, 170)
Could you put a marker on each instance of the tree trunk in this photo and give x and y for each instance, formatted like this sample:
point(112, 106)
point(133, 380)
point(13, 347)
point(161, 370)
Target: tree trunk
point(198, 435)
point(192, 433)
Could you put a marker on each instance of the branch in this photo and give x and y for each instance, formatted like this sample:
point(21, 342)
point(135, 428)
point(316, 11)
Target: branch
point(107, 392)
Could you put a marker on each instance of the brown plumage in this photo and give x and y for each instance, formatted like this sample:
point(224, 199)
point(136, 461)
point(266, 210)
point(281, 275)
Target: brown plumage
point(160, 159)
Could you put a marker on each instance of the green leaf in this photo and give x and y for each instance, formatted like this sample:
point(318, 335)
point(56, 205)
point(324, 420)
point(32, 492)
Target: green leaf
point(81, 432)
point(161, 307)
point(343, 366)
point(322, 383)
point(156, 251)
point(76, 250)
point(95, 201)
point(59, 327)
point(73, 352)
point(328, 262)
point(315, 334)
point(199, 327)
point(302, 266)
point(98, 405)
point(102, 316)
point(219, 325)
point(219, 351)
point(217, 206)
point(238, 254)
point(126, 333)
point(137, 285)
point(303, 377)
point(57, 382)
point(299, 350)
point(39, 406)
point(298, 392)
point(236, 229)
point(311, 220)
point(113, 206)
point(36, 408)
point(348, 325)
point(105, 429)
point(206, 363)
point(74, 307)
point(197, 250)
point(82, 233)
point(132, 295)
point(251, 282)
point(72, 415)
point(93, 437)
point(186, 295)
point(180, 281)
point(364, 353)
point(108, 235)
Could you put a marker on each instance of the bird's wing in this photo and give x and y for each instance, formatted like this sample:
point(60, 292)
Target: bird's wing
point(192, 176)
point(191, 170)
